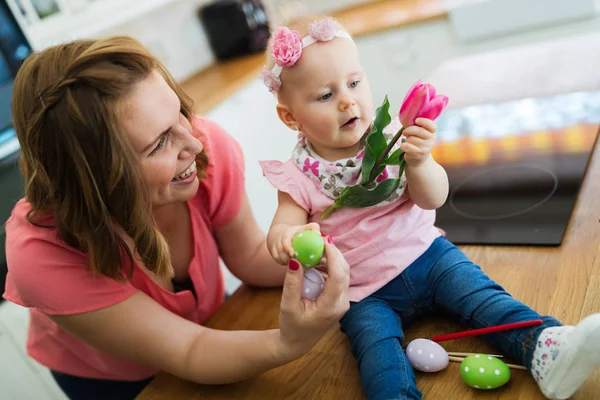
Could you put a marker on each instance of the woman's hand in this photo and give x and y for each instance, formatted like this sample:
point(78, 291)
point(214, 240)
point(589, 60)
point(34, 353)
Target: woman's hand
point(281, 249)
point(303, 323)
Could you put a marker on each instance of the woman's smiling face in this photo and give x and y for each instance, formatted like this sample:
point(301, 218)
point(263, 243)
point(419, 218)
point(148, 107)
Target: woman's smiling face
point(162, 137)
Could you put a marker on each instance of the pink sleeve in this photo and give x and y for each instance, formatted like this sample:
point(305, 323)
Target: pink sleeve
point(48, 275)
point(225, 181)
point(286, 177)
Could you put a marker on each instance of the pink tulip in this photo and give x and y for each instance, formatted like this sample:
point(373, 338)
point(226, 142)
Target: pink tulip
point(421, 101)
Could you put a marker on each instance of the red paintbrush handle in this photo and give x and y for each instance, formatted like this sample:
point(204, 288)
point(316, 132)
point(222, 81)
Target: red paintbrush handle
point(483, 331)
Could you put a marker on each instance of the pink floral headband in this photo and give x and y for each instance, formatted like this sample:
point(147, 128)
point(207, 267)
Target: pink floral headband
point(287, 45)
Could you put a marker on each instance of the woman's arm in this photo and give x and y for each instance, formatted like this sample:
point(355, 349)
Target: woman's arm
point(140, 330)
point(242, 245)
point(245, 249)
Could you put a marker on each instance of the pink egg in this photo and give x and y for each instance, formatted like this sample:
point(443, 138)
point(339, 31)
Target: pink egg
point(426, 355)
point(312, 285)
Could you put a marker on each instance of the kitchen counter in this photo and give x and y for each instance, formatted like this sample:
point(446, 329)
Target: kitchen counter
point(220, 80)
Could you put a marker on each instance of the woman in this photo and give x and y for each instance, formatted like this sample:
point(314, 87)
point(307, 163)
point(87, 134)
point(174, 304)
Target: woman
point(129, 202)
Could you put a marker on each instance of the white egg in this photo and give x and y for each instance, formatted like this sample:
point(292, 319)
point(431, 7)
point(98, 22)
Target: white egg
point(312, 285)
point(426, 355)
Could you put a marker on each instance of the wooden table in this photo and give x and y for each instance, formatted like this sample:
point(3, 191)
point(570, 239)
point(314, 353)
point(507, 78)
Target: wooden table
point(561, 281)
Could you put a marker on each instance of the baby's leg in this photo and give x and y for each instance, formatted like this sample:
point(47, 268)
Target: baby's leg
point(460, 287)
point(375, 334)
point(560, 358)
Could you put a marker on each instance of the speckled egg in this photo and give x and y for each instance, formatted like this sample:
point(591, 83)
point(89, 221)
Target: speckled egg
point(426, 355)
point(308, 248)
point(312, 285)
point(482, 371)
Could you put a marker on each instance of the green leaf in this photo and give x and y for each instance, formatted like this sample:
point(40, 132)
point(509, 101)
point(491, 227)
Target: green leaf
point(376, 173)
point(382, 115)
point(359, 196)
point(402, 166)
point(395, 158)
point(376, 141)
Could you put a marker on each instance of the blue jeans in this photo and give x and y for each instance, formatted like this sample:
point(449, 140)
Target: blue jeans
point(444, 280)
point(78, 388)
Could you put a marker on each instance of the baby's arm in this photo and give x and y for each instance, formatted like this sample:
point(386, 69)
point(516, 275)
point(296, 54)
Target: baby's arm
point(289, 219)
point(427, 184)
point(427, 181)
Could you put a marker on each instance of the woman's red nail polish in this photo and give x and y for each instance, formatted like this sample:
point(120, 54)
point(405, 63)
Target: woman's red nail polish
point(322, 234)
point(329, 239)
point(294, 265)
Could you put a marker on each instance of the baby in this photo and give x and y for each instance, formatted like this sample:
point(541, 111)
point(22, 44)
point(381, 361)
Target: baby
point(401, 266)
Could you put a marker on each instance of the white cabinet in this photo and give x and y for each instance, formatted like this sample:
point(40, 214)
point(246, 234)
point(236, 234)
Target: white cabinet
point(19, 380)
point(169, 29)
point(47, 22)
point(21, 377)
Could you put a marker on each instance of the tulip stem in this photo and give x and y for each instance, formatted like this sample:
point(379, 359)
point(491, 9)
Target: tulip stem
point(334, 207)
point(387, 150)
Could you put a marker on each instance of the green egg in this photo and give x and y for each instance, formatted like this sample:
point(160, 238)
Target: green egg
point(482, 371)
point(308, 247)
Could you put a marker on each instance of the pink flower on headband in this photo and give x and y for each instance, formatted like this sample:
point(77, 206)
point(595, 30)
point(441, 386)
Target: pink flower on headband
point(323, 30)
point(286, 47)
point(270, 80)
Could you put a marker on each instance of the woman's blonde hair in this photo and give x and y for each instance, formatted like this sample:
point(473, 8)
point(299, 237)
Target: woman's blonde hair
point(78, 163)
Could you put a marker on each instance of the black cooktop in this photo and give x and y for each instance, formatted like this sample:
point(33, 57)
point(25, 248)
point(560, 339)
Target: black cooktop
point(515, 169)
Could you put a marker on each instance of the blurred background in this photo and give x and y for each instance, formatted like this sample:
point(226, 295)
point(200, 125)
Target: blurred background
point(215, 50)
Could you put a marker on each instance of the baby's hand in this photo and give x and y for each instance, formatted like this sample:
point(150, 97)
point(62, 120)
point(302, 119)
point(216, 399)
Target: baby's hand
point(282, 250)
point(420, 139)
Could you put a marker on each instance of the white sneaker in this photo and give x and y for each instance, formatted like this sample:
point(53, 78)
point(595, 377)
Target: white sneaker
point(565, 356)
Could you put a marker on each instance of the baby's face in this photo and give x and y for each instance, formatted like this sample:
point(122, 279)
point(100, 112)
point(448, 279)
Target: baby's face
point(329, 97)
